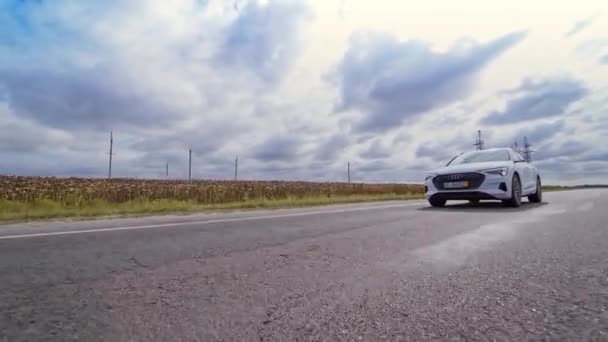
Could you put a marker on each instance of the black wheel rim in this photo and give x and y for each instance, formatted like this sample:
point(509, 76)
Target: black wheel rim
point(516, 189)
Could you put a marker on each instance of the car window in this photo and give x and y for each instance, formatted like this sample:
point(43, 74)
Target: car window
point(481, 156)
point(517, 156)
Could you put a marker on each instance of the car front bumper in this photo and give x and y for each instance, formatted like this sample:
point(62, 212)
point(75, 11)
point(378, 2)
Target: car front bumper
point(494, 187)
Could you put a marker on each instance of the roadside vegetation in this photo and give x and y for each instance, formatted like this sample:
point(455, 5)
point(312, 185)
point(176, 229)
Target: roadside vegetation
point(574, 187)
point(29, 198)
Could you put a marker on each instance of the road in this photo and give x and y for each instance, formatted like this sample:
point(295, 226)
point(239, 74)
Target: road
point(395, 271)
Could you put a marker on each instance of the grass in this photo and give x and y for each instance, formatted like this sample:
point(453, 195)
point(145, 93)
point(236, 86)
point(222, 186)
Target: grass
point(16, 211)
point(549, 188)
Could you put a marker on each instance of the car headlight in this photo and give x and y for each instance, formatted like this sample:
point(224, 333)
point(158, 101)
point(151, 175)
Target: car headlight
point(503, 171)
point(429, 176)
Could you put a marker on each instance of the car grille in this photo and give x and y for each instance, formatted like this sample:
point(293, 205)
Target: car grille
point(475, 179)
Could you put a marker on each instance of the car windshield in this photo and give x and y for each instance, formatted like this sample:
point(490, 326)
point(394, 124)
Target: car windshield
point(480, 156)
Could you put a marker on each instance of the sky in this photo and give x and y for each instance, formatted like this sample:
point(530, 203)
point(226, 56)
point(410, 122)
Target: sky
point(299, 89)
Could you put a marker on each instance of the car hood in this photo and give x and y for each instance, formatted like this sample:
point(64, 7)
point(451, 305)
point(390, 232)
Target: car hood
point(471, 167)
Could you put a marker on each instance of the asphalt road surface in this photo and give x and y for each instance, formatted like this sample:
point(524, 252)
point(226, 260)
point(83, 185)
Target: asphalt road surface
point(395, 271)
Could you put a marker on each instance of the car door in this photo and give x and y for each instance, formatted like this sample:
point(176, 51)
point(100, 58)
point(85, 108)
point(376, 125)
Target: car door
point(523, 169)
point(532, 176)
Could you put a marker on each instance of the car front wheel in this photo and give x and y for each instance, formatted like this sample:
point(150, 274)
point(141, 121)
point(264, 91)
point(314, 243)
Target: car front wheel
point(515, 200)
point(436, 202)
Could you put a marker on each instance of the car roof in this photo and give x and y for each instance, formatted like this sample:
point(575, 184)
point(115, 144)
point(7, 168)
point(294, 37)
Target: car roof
point(491, 149)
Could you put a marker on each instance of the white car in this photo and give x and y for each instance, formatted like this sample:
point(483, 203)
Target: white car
point(492, 174)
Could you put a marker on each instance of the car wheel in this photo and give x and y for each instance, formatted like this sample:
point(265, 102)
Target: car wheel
point(537, 197)
point(474, 201)
point(515, 200)
point(436, 202)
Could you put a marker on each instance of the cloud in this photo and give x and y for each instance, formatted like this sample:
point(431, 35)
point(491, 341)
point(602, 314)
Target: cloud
point(27, 138)
point(145, 70)
point(377, 150)
point(331, 148)
point(371, 166)
point(557, 160)
point(392, 81)
point(568, 160)
point(151, 69)
point(278, 148)
point(437, 153)
point(542, 132)
point(536, 134)
point(203, 140)
point(595, 49)
point(592, 46)
point(601, 124)
point(342, 9)
point(596, 168)
point(580, 26)
point(569, 149)
point(442, 150)
point(264, 38)
point(562, 171)
point(595, 156)
point(82, 99)
point(93, 66)
point(247, 78)
point(537, 100)
point(51, 165)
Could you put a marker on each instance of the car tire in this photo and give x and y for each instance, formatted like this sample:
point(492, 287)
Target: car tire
point(474, 201)
point(436, 202)
point(537, 197)
point(515, 200)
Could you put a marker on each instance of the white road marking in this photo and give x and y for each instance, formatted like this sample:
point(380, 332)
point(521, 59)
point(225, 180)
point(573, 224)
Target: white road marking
point(208, 222)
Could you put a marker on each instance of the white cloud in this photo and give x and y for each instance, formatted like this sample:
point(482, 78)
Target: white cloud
point(248, 78)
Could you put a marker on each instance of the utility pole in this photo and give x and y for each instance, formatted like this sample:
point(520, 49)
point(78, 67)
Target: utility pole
point(190, 165)
point(110, 162)
point(236, 168)
point(479, 142)
point(167, 170)
point(348, 171)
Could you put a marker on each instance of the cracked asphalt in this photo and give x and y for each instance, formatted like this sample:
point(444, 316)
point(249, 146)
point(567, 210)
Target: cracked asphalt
point(396, 271)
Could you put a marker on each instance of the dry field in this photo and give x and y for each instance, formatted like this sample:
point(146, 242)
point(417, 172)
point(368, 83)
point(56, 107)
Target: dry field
point(72, 191)
point(45, 197)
